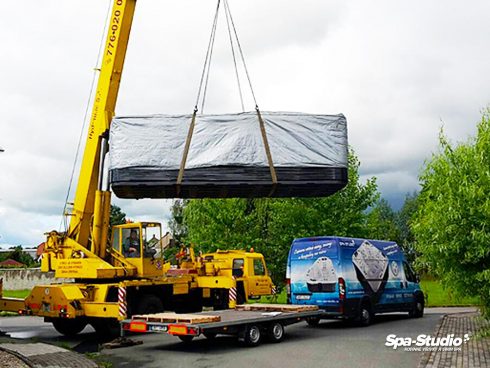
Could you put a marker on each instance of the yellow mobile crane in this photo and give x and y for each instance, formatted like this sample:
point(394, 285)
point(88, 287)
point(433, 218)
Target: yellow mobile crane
point(115, 278)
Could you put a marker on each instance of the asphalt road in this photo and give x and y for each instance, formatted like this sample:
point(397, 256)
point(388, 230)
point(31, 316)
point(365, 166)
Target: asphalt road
point(331, 344)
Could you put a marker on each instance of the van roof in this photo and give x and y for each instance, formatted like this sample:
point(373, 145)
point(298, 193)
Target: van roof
point(339, 238)
point(393, 249)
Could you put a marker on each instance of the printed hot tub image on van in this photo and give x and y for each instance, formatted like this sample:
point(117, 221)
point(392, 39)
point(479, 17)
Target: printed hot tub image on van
point(321, 276)
point(371, 266)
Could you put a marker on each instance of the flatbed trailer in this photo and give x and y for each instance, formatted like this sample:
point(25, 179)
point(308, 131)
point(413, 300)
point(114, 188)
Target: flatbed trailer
point(250, 326)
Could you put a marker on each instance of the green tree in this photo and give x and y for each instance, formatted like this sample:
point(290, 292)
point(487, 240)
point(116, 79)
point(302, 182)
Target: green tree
point(383, 223)
point(451, 225)
point(118, 217)
point(269, 225)
point(18, 254)
point(178, 229)
point(404, 220)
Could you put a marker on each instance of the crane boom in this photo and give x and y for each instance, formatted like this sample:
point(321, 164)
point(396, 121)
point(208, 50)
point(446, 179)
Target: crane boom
point(85, 214)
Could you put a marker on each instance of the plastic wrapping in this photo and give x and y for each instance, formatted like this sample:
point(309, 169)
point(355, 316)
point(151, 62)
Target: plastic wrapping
point(227, 156)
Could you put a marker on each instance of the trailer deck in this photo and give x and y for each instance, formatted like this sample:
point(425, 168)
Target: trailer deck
point(248, 325)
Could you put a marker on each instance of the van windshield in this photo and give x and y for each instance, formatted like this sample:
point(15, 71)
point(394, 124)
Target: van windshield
point(312, 250)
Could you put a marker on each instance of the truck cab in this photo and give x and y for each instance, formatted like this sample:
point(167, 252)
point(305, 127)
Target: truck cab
point(247, 268)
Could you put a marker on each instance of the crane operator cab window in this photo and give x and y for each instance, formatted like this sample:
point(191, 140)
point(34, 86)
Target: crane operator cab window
point(138, 241)
point(151, 241)
point(131, 243)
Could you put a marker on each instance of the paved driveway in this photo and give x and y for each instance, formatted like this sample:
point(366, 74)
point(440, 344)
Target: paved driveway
point(331, 344)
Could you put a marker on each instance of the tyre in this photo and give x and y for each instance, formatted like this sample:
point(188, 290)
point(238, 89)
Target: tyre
point(252, 335)
point(418, 308)
point(69, 327)
point(106, 328)
point(276, 332)
point(149, 304)
point(210, 335)
point(365, 315)
point(186, 338)
point(313, 321)
point(190, 303)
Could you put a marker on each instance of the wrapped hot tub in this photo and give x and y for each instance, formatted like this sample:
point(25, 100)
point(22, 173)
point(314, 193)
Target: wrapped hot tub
point(227, 156)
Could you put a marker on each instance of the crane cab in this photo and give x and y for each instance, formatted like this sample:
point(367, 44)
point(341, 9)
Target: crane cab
point(140, 244)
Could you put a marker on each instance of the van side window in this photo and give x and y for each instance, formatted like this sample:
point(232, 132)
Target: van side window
point(238, 264)
point(409, 274)
point(259, 269)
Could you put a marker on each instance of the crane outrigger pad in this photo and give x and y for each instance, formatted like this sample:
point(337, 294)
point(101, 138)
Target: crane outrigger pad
point(300, 155)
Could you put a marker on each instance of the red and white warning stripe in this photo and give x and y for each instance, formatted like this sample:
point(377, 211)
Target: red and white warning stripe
point(232, 294)
point(121, 298)
point(274, 291)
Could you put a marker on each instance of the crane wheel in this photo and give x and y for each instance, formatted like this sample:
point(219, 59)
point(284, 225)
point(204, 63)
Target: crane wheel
point(106, 328)
point(149, 304)
point(69, 327)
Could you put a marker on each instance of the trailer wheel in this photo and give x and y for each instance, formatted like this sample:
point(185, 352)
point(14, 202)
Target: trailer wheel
point(186, 338)
point(210, 335)
point(313, 321)
point(69, 327)
point(276, 332)
point(252, 335)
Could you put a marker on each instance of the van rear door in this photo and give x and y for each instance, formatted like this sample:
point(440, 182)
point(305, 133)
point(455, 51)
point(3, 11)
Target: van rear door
point(314, 271)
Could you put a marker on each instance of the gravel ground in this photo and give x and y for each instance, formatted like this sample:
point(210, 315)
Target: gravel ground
point(11, 361)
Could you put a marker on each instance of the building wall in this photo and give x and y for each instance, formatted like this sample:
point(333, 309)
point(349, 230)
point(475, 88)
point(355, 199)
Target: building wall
point(25, 278)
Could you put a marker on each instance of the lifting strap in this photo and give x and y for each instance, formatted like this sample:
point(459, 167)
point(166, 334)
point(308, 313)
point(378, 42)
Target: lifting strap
point(267, 149)
point(188, 140)
point(204, 81)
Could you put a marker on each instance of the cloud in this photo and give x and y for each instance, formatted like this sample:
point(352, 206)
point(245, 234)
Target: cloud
point(397, 70)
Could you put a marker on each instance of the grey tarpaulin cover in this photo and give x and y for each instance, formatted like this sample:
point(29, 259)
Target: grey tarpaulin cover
point(227, 157)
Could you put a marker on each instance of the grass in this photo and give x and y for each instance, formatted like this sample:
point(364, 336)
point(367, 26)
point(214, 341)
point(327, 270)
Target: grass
point(16, 293)
point(13, 294)
point(435, 296)
point(280, 298)
point(8, 314)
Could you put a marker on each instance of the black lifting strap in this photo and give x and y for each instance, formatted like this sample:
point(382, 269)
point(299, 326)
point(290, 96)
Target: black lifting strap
point(267, 150)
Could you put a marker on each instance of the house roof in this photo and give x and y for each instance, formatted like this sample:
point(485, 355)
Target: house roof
point(40, 249)
point(11, 263)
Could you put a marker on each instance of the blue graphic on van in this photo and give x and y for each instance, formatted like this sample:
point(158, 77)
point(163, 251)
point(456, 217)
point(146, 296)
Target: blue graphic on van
point(370, 270)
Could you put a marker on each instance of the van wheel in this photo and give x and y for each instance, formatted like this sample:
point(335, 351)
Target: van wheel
point(313, 321)
point(252, 335)
point(418, 308)
point(365, 315)
point(276, 332)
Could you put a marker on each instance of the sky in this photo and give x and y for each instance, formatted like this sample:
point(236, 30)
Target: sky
point(398, 70)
